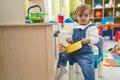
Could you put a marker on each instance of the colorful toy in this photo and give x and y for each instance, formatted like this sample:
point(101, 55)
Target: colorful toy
point(37, 17)
point(98, 14)
point(116, 48)
point(108, 26)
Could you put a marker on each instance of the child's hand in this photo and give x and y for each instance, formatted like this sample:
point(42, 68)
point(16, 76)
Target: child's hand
point(69, 40)
point(61, 47)
point(85, 40)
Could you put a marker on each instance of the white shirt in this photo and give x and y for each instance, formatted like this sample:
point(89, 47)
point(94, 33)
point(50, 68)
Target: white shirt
point(91, 33)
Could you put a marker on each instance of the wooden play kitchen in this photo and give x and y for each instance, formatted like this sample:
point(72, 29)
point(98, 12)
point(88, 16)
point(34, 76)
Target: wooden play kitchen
point(27, 52)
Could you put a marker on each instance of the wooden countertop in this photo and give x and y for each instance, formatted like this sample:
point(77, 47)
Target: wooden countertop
point(34, 24)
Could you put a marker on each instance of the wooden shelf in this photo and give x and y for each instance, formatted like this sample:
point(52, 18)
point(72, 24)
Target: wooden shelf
point(116, 17)
point(117, 7)
point(105, 10)
point(97, 8)
point(109, 8)
point(108, 17)
point(97, 17)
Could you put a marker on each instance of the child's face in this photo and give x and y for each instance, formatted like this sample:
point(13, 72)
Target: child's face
point(83, 18)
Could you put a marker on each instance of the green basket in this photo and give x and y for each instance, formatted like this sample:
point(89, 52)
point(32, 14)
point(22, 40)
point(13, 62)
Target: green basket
point(38, 17)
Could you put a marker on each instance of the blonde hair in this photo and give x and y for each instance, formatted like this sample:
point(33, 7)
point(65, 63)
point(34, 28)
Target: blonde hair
point(81, 9)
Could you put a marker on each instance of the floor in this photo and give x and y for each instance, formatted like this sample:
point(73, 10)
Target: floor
point(109, 73)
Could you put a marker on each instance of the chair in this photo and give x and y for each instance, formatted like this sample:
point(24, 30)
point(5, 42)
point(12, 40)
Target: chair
point(98, 59)
point(110, 33)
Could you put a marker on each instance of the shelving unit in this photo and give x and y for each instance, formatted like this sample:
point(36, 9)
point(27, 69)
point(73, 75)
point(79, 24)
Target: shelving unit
point(104, 10)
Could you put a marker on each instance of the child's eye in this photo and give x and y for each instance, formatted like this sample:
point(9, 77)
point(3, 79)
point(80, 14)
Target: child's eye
point(86, 15)
point(80, 15)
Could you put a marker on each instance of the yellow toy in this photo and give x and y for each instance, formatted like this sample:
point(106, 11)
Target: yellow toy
point(70, 48)
point(73, 47)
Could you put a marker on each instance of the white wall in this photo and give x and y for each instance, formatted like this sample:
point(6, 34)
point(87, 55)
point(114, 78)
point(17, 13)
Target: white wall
point(48, 9)
point(12, 11)
point(36, 2)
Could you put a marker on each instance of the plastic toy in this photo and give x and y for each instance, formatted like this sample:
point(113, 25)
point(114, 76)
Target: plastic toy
point(70, 48)
point(97, 3)
point(117, 35)
point(111, 3)
point(117, 14)
point(60, 19)
point(108, 26)
point(116, 48)
point(69, 20)
point(37, 17)
point(98, 14)
point(73, 47)
point(106, 5)
point(100, 26)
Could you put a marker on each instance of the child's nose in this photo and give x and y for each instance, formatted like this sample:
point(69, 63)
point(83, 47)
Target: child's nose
point(83, 17)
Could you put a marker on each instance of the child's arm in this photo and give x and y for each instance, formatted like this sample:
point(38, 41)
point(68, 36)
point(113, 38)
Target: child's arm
point(92, 35)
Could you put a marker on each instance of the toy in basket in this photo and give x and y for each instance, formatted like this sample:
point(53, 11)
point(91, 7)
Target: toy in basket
point(36, 17)
point(73, 47)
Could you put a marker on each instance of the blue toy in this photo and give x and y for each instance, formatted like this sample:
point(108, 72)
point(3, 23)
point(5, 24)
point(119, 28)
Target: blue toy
point(69, 20)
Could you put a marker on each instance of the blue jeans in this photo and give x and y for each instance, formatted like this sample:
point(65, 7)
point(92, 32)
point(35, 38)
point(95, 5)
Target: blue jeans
point(86, 62)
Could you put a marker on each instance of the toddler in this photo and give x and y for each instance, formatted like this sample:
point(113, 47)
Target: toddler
point(88, 34)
